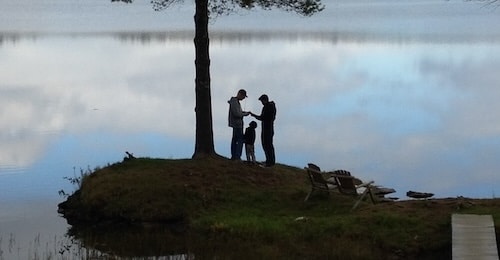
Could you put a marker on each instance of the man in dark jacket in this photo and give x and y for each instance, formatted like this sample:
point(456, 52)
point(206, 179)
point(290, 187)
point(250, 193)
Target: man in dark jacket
point(267, 117)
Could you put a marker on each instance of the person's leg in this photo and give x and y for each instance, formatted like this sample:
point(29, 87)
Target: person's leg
point(234, 144)
point(238, 139)
point(252, 152)
point(267, 145)
point(248, 152)
point(272, 157)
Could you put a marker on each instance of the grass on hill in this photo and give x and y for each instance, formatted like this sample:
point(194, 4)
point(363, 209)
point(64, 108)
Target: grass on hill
point(261, 211)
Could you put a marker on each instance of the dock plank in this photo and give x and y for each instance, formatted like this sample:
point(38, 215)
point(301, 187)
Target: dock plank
point(473, 237)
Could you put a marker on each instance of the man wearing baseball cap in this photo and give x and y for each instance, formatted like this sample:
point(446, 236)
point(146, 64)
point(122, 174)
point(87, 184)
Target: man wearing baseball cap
point(235, 120)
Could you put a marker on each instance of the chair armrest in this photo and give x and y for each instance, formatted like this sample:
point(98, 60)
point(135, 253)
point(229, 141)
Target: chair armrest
point(333, 175)
point(366, 184)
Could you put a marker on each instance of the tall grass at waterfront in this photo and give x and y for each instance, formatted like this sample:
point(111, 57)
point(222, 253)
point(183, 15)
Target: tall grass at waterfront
point(63, 248)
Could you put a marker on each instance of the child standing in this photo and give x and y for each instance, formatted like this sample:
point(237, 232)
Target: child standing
point(249, 141)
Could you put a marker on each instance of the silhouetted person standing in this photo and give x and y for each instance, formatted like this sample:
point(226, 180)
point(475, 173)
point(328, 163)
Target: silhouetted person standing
point(250, 141)
point(267, 117)
point(235, 120)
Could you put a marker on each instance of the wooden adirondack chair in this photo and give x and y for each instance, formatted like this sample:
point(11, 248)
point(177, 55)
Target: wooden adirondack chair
point(350, 185)
point(338, 181)
point(317, 181)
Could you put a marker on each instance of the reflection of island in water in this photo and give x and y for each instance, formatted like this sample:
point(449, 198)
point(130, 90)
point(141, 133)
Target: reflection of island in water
point(129, 242)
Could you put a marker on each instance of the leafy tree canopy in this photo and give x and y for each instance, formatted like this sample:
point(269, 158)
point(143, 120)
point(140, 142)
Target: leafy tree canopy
point(223, 7)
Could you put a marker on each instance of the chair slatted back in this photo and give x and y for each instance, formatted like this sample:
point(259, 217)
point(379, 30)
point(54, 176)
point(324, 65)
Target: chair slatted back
point(342, 172)
point(316, 178)
point(346, 182)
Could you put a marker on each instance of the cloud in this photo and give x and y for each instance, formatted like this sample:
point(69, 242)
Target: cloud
point(405, 116)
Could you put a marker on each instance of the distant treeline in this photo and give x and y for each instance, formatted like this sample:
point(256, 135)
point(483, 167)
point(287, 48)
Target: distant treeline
point(258, 36)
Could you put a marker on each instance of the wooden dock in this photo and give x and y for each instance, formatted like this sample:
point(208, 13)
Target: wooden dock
point(473, 237)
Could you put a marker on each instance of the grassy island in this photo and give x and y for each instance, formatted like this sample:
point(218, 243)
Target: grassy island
point(260, 213)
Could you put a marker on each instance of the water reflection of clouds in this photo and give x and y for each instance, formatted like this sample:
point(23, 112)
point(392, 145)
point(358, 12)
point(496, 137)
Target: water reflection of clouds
point(65, 86)
point(408, 115)
point(413, 116)
point(24, 115)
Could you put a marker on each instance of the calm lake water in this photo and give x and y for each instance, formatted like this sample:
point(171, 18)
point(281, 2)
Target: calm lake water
point(404, 93)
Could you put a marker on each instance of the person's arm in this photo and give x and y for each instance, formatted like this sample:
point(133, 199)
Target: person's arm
point(236, 109)
point(258, 117)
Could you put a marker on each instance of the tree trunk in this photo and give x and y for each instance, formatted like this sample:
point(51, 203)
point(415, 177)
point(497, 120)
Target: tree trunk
point(204, 142)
